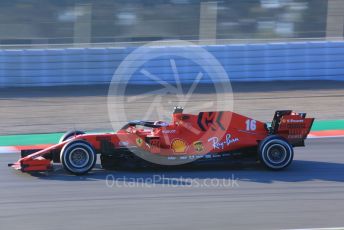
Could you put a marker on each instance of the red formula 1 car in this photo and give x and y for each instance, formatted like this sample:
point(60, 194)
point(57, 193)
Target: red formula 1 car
point(188, 139)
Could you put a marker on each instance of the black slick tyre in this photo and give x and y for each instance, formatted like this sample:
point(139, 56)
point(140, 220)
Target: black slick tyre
point(78, 157)
point(275, 153)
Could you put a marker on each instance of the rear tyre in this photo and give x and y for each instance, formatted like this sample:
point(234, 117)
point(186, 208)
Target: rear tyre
point(78, 157)
point(68, 135)
point(275, 153)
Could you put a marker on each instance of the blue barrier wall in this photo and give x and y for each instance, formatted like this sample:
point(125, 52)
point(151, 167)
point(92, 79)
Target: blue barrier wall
point(251, 62)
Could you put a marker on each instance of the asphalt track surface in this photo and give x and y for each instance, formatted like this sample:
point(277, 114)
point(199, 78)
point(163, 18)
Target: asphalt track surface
point(309, 194)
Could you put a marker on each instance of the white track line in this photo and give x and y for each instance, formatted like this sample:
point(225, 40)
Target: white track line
point(331, 228)
point(8, 149)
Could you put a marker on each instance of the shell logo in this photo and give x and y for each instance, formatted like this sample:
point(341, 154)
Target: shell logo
point(179, 146)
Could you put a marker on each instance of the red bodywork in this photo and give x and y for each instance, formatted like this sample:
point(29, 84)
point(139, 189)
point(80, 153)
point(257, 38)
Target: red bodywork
point(187, 134)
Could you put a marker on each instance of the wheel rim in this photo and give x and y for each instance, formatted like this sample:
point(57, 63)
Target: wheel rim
point(277, 153)
point(79, 158)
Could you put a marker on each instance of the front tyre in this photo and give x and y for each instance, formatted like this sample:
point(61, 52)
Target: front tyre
point(78, 157)
point(275, 153)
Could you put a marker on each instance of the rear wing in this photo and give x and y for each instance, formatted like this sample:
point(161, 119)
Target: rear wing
point(293, 126)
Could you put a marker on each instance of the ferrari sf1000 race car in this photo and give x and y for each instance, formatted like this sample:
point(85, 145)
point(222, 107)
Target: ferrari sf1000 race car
point(219, 136)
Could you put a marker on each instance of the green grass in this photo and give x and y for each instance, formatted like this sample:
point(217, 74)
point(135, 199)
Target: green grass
point(30, 139)
point(328, 125)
